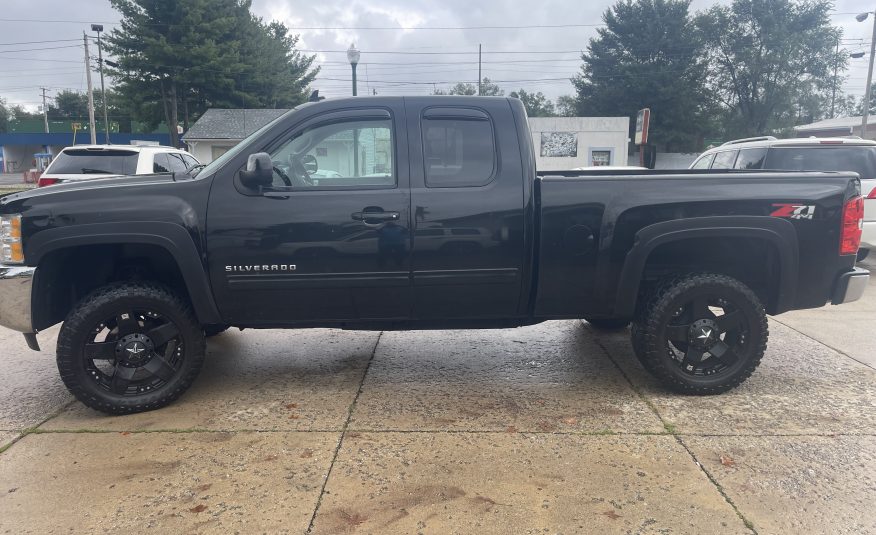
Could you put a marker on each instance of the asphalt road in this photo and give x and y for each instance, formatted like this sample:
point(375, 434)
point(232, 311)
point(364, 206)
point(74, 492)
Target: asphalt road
point(545, 429)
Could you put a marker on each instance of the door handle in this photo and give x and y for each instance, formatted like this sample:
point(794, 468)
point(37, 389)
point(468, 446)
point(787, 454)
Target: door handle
point(375, 216)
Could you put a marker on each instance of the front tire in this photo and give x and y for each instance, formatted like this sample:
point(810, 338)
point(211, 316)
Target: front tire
point(130, 347)
point(702, 334)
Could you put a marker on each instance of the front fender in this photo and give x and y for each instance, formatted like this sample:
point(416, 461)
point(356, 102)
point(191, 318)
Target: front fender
point(778, 232)
point(175, 239)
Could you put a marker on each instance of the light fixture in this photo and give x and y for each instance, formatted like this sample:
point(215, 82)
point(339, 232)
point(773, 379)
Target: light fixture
point(861, 17)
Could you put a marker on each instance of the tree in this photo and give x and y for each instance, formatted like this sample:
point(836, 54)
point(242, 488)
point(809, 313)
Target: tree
point(488, 89)
point(4, 116)
point(649, 54)
point(536, 104)
point(567, 106)
point(179, 58)
point(768, 59)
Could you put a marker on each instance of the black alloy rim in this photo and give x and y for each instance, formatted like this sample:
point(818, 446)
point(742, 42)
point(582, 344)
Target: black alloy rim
point(707, 335)
point(133, 352)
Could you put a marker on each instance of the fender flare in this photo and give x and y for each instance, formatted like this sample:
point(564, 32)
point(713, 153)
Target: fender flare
point(172, 237)
point(778, 232)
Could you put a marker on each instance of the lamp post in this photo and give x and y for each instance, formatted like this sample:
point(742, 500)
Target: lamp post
point(861, 18)
point(353, 55)
point(99, 28)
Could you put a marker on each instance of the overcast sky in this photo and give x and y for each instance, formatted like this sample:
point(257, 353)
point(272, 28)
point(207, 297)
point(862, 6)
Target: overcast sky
point(407, 59)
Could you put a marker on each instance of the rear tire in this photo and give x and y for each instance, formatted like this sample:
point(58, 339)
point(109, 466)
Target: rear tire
point(130, 347)
point(863, 254)
point(608, 324)
point(693, 350)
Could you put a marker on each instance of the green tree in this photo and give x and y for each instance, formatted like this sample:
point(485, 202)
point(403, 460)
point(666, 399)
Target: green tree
point(649, 54)
point(567, 106)
point(536, 104)
point(4, 116)
point(179, 58)
point(488, 89)
point(768, 60)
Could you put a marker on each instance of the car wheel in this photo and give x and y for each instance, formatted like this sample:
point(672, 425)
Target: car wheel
point(129, 348)
point(703, 334)
point(608, 324)
point(863, 254)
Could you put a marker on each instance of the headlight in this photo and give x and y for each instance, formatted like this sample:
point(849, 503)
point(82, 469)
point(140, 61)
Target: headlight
point(11, 249)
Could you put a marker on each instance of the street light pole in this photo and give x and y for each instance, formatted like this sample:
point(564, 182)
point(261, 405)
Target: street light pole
point(861, 18)
point(353, 56)
point(99, 28)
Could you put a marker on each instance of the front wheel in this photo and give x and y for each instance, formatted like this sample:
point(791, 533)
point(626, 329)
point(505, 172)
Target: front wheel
point(129, 348)
point(703, 334)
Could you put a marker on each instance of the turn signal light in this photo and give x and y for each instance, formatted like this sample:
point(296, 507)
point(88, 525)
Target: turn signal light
point(853, 225)
point(11, 249)
point(46, 182)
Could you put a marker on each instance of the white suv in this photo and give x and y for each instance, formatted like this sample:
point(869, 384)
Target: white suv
point(805, 154)
point(85, 162)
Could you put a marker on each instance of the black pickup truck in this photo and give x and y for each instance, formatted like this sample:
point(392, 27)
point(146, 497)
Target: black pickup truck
point(416, 213)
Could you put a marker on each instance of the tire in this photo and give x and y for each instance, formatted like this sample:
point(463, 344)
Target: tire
point(691, 349)
point(608, 324)
point(863, 254)
point(130, 347)
point(213, 330)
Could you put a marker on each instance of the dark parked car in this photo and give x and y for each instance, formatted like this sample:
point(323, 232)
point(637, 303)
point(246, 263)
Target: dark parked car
point(437, 219)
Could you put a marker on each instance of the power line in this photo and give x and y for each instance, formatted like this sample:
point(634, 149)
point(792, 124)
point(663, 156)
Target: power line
point(39, 42)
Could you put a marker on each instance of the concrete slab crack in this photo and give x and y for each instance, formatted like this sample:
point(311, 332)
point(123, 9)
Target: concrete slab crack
point(343, 434)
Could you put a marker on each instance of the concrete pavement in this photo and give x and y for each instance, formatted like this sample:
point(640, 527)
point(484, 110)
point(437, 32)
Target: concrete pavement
point(545, 429)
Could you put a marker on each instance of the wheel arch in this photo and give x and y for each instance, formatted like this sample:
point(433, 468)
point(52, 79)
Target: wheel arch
point(777, 236)
point(165, 244)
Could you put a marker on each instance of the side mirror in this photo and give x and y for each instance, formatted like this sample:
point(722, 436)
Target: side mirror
point(259, 171)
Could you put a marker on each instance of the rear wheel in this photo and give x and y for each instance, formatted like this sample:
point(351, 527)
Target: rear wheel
point(129, 348)
point(863, 254)
point(702, 334)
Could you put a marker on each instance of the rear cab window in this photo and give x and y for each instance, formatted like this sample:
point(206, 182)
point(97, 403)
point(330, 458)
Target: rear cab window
point(94, 162)
point(459, 148)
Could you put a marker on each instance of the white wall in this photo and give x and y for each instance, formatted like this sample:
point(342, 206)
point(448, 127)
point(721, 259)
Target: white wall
point(668, 160)
point(605, 133)
point(203, 150)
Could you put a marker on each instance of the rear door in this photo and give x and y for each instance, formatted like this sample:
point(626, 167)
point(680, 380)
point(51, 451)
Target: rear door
point(467, 208)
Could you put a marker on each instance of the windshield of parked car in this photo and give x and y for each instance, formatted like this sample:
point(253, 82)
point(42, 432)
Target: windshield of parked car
point(859, 159)
point(94, 162)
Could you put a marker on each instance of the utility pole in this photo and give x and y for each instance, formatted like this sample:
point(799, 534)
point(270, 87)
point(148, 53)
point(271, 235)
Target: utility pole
point(91, 128)
point(479, 70)
point(835, 67)
point(869, 81)
point(99, 28)
point(45, 110)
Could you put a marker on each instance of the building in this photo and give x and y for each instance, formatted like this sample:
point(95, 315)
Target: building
point(569, 142)
point(218, 130)
point(839, 126)
point(560, 142)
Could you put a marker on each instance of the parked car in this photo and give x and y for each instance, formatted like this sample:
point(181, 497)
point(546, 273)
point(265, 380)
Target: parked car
point(444, 224)
point(87, 162)
point(805, 154)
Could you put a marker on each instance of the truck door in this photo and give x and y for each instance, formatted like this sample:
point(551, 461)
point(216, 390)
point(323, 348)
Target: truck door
point(330, 239)
point(467, 210)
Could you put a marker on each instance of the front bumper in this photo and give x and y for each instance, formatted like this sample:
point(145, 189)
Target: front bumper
point(850, 286)
point(16, 283)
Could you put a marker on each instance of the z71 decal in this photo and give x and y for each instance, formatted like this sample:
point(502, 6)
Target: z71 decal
point(794, 211)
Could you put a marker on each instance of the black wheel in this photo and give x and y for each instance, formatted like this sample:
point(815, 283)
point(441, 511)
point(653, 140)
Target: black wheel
point(703, 334)
point(608, 324)
point(129, 348)
point(213, 330)
point(863, 254)
point(637, 340)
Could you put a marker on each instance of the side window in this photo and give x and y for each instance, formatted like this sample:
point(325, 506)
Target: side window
point(458, 152)
point(189, 160)
point(159, 163)
point(337, 154)
point(704, 162)
point(175, 162)
point(750, 158)
point(724, 160)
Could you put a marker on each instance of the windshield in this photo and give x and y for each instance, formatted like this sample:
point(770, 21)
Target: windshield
point(94, 162)
point(237, 149)
point(859, 159)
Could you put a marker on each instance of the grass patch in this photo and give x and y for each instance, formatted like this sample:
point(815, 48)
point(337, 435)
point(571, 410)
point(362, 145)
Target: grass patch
point(670, 428)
